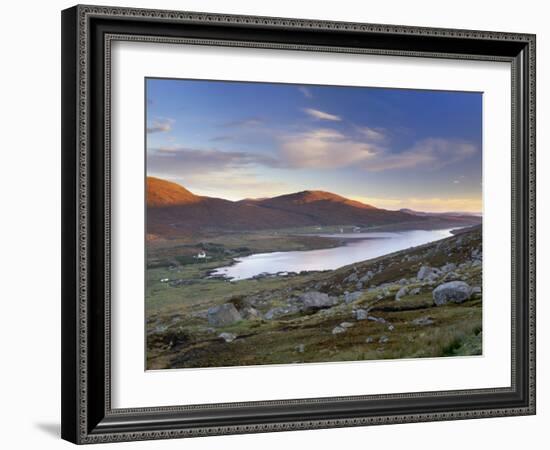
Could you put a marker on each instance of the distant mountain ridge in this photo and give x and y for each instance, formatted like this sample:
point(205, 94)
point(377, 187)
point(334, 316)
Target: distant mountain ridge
point(173, 210)
point(304, 197)
point(439, 214)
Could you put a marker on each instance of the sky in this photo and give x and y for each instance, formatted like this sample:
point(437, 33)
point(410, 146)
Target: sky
point(391, 148)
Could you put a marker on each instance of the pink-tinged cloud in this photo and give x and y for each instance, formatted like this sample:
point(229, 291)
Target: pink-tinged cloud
point(323, 148)
point(320, 148)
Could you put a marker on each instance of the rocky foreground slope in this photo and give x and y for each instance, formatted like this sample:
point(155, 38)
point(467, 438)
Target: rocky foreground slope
point(421, 302)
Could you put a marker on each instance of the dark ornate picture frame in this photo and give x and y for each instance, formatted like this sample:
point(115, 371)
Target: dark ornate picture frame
point(87, 34)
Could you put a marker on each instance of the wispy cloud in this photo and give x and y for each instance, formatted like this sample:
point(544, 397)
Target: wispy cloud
point(222, 138)
point(319, 148)
point(459, 179)
point(244, 123)
point(323, 148)
point(322, 115)
point(326, 148)
point(373, 134)
point(181, 160)
point(427, 153)
point(160, 126)
point(305, 91)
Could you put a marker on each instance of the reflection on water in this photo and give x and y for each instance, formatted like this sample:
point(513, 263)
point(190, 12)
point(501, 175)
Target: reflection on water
point(365, 246)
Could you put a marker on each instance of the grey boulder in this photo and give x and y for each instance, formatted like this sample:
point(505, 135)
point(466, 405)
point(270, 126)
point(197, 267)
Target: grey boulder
point(376, 319)
point(352, 278)
point(250, 313)
point(351, 297)
point(222, 315)
point(449, 267)
point(401, 293)
point(280, 311)
point(451, 276)
point(367, 277)
point(453, 291)
point(227, 337)
point(316, 300)
point(423, 321)
point(427, 273)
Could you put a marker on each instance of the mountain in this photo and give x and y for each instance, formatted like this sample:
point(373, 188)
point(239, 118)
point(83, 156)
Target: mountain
point(326, 208)
point(162, 193)
point(174, 211)
point(308, 197)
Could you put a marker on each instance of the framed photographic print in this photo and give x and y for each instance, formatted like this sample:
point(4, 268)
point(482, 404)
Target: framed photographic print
point(282, 224)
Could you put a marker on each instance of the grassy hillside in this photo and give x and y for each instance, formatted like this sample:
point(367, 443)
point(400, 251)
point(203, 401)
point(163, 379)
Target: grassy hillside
point(378, 309)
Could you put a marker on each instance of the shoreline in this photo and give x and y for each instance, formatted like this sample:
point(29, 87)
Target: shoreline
point(344, 241)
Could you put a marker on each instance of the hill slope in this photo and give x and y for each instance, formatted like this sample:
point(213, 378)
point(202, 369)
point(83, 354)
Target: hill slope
point(387, 305)
point(162, 193)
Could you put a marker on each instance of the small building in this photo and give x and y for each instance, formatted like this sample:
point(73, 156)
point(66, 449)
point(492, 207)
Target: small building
point(201, 255)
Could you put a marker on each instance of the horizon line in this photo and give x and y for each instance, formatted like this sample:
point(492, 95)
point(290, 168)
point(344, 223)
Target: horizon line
point(451, 211)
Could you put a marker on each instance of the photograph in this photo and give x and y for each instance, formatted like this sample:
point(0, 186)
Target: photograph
point(280, 220)
point(294, 223)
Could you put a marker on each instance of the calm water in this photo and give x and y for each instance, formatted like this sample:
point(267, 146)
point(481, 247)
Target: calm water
point(364, 246)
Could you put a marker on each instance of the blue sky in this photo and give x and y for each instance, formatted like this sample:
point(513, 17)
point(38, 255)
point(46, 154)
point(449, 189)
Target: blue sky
point(392, 148)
